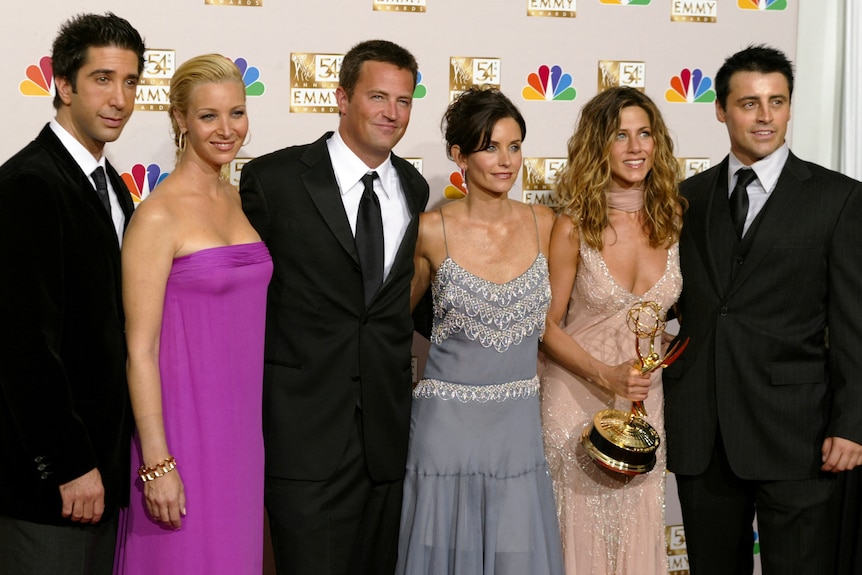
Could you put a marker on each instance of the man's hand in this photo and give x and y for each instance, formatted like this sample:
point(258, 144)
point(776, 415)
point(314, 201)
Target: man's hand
point(840, 454)
point(84, 498)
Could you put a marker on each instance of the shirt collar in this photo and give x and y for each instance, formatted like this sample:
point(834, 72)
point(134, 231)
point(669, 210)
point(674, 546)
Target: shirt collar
point(76, 149)
point(767, 169)
point(349, 169)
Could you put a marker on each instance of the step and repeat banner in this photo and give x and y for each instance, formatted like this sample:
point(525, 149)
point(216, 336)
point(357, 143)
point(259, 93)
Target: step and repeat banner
point(548, 56)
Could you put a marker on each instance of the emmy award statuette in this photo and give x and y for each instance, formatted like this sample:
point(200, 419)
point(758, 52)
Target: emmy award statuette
point(622, 441)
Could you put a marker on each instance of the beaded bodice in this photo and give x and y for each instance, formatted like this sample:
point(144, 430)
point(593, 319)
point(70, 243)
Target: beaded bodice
point(487, 333)
point(602, 295)
point(495, 315)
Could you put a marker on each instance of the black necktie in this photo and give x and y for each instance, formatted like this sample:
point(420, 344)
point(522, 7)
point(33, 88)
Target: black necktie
point(102, 187)
point(369, 238)
point(739, 199)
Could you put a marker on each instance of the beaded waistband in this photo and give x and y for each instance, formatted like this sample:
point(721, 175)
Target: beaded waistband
point(428, 388)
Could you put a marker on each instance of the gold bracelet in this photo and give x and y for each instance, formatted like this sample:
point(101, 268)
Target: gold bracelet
point(157, 470)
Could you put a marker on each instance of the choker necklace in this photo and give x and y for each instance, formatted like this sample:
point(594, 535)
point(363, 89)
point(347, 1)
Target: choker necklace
point(629, 200)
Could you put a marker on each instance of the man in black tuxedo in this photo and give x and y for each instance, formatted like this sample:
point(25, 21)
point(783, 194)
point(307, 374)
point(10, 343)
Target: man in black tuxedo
point(64, 417)
point(763, 410)
point(337, 377)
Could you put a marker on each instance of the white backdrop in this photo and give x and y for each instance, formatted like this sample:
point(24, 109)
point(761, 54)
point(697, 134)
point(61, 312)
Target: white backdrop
point(647, 43)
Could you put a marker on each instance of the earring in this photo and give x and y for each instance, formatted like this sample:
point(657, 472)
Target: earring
point(247, 139)
point(181, 141)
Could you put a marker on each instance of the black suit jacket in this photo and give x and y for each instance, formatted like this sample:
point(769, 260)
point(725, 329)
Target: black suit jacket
point(757, 313)
point(325, 352)
point(63, 398)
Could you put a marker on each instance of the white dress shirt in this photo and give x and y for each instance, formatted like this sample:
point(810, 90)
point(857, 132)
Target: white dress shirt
point(767, 171)
point(349, 170)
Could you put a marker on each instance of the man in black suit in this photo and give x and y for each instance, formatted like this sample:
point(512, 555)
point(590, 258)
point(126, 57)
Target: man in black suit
point(337, 377)
point(64, 424)
point(762, 412)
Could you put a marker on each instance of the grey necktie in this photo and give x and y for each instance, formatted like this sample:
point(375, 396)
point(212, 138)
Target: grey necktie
point(102, 187)
point(739, 199)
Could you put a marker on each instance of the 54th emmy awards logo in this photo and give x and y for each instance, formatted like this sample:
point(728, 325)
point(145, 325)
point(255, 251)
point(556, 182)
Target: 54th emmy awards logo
point(539, 178)
point(552, 8)
point(400, 5)
point(692, 166)
point(466, 72)
point(694, 11)
point(613, 73)
point(313, 80)
point(154, 86)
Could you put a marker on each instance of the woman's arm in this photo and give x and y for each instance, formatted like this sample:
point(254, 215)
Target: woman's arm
point(624, 379)
point(149, 246)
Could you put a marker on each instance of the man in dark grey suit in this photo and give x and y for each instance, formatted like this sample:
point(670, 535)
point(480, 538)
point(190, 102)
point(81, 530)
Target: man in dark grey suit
point(764, 411)
point(337, 375)
point(64, 417)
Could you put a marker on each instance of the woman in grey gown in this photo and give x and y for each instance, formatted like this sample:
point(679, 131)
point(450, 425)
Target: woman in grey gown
point(477, 495)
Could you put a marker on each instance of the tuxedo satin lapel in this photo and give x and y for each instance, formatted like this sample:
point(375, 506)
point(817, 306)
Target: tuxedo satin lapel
point(700, 216)
point(322, 188)
point(780, 211)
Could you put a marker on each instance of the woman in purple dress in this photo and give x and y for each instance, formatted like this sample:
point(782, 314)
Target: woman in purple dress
point(195, 275)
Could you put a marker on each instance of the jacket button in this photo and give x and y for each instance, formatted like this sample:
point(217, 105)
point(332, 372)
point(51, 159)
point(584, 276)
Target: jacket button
point(41, 467)
point(723, 311)
point(39, 458)
point(44, 475)
point(739, 260)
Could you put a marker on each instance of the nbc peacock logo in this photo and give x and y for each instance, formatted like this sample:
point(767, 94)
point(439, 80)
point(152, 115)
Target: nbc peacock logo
point(549, 83)
point(762, 4)
point(690, 87)
point(421, 91)
point(141, 180)
point(250, 77)
point(40, 79)
point(457, 187)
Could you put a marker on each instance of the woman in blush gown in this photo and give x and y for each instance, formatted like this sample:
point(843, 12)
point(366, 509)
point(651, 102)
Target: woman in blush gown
point(195, 276)
point(613, 246)
point(477, 495)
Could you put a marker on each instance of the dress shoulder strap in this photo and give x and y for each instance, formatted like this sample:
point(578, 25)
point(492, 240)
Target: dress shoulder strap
point(536, 222)
point(443, 223)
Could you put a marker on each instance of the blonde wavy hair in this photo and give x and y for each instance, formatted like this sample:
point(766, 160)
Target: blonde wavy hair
point(582, 184)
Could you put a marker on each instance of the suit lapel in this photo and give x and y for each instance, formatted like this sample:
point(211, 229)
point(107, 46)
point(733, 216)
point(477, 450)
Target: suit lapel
point(701, 223)
point(322, 188)
point(80, 183)
point(780, 210)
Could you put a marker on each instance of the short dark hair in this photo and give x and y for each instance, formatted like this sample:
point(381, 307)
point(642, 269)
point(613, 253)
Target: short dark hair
point(375, 51)
point(470, 119)
point(755, 58)
point(78, 34)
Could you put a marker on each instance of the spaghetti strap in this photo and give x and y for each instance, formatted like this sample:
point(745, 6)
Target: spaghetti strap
point(445, 243)
point(536, 222)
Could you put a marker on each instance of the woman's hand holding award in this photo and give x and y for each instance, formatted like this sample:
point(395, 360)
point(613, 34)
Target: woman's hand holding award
point(622, 441)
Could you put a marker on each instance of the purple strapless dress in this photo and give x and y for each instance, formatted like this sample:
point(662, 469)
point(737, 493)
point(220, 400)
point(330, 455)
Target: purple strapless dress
point(211, 362)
